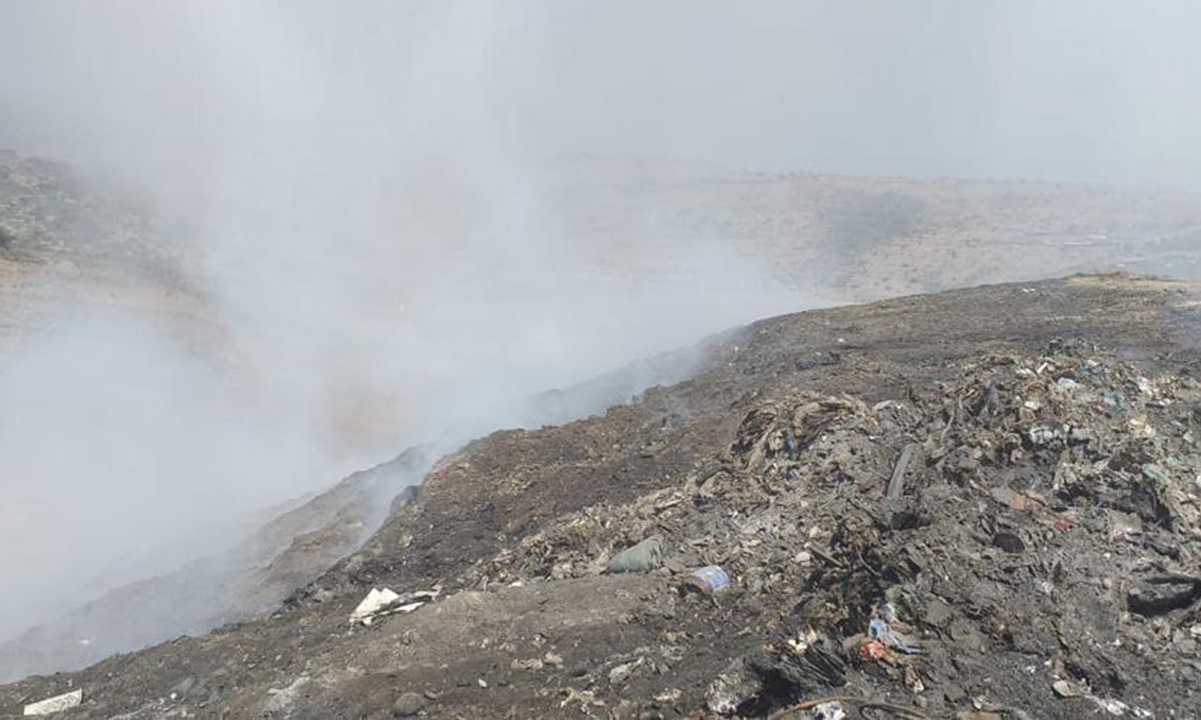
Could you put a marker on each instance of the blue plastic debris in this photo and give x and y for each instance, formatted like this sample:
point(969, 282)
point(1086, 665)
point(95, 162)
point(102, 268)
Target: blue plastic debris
point(880, 630)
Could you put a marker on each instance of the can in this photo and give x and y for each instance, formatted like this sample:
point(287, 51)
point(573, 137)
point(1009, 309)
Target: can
point(709, 579)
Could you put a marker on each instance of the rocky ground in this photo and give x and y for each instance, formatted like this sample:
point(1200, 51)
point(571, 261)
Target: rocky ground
point(978, 504)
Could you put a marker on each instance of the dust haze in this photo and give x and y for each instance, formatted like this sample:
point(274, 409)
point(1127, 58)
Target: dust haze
point(369, 194)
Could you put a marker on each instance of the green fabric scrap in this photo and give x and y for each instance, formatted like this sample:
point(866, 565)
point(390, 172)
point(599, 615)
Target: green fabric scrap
point(643, 557)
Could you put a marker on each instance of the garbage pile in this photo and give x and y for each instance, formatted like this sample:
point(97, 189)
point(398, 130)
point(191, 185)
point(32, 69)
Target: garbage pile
point(1020, 542)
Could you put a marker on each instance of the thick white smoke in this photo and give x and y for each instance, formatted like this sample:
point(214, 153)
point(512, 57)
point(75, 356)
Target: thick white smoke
point(375, 235)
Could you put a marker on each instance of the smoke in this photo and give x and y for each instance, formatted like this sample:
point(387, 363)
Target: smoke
point(1073, 90)
point(373, 222)
point(121, 453)
point(374, 195)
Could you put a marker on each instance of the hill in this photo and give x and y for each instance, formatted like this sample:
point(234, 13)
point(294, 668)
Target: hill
point(1002, 479)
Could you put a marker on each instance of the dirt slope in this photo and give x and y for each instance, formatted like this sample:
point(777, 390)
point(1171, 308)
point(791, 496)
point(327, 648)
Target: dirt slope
point(1040, 545)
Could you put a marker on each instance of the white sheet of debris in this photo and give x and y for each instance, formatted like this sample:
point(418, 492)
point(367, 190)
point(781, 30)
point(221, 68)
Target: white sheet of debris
point(58, 703)
point(386, 602)
point(371, 605)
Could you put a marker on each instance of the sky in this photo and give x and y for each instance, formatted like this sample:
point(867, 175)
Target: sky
point(1089, 90)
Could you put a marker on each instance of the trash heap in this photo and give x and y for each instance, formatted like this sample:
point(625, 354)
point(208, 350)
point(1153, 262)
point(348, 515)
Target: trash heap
point(1020, 541)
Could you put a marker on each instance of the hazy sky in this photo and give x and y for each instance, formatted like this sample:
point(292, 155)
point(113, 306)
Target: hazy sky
point(1079, 89)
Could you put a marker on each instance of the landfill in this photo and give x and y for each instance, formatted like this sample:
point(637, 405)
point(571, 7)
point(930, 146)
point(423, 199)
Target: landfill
point(980, 505)
point(1042, 511)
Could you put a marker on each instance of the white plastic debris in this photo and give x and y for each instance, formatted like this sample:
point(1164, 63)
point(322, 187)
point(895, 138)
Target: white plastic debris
point(385, 602)
point(376, 601)
point(830, 711)
point(58, 703)
point(416, 599)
